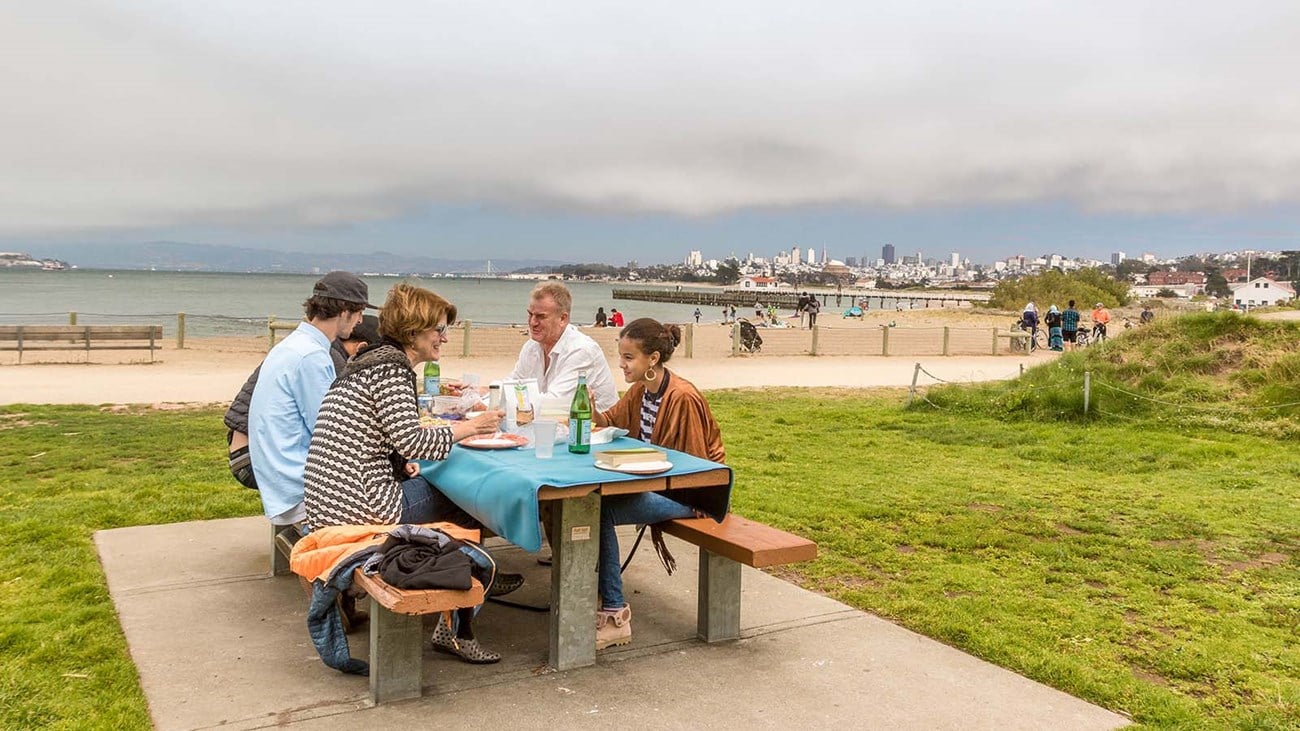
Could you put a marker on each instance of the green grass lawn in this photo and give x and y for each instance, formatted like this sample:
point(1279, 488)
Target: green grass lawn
point(1146, 567)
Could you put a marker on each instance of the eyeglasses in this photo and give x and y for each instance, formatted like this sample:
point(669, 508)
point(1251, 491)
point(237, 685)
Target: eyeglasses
point(441, 330)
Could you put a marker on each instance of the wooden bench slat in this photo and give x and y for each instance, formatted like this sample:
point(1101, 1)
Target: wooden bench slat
point(744, 541)
point(418, 601)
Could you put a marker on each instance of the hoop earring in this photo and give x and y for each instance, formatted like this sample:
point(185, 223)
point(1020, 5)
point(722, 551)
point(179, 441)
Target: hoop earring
point(650, 375)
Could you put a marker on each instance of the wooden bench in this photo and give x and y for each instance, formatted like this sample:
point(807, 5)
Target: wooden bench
point(723, 548)
point(397, 632)
point(396, 621)
point(23, 338)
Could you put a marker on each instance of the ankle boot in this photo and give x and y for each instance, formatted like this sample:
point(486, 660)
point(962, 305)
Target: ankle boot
point(613, 627)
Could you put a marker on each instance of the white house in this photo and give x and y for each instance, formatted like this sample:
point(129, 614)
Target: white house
point(1261, 292)
point(758, 283)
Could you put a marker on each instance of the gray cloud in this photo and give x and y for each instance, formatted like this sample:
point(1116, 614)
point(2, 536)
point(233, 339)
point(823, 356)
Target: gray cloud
point(320, 113)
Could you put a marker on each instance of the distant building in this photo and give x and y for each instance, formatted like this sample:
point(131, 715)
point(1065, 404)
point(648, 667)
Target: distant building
point(1173, 279)
point(1117, 258)
point(1261, 292)
point(851, 261)
point(887, 253)
point(758, 282)
point(795, 255)
point(694, 259)
point(954, 260)
point(812, 255)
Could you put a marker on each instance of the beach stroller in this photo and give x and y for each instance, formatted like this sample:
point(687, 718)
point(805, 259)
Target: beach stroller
point(750, 342)
point(853, 311)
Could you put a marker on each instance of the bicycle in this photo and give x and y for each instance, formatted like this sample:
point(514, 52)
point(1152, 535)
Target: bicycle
point(1098, 333)
point(1081, 339)
point(1037, 338)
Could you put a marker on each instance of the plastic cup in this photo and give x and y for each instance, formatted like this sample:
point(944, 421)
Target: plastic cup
point(544, 438)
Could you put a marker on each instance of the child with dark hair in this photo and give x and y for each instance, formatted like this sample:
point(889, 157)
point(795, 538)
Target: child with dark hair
point(663, 409)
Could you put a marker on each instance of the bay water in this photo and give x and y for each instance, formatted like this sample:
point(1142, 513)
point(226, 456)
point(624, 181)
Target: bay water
point(227, 304)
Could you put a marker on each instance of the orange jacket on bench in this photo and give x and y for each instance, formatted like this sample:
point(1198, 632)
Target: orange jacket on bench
point(316, 554)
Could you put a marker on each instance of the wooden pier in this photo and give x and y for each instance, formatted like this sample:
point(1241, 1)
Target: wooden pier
point(788, 298)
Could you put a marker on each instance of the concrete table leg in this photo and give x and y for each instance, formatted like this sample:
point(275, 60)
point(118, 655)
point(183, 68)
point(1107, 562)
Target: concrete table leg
point(279, 553)
point(718, 611)
point(396, 654)
point(573, 582)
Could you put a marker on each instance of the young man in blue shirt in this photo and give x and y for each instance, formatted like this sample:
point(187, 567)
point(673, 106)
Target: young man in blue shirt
point(290, 387)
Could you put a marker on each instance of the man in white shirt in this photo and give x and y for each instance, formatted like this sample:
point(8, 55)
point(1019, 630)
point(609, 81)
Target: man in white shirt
point(558, 352)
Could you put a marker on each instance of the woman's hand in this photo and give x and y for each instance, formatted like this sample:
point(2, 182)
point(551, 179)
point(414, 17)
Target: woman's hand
point(489, 422)
point(412, 469)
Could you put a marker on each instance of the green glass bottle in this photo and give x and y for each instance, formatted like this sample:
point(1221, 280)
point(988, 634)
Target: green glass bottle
point(432, 378)
point(580, 418)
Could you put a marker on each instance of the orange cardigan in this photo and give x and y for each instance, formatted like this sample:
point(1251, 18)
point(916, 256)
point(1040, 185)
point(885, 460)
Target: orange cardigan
point(684, 422)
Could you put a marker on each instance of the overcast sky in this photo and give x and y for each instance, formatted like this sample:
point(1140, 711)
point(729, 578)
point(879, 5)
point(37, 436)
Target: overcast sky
point(608, 131)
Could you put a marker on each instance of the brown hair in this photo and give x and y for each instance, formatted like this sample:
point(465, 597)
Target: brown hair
point(324, 308)
point(556, 291)
point(652, 336)
point(410, 310)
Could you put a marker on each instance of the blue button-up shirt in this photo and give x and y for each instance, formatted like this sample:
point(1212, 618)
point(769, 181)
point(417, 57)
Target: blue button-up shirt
point(282, 415)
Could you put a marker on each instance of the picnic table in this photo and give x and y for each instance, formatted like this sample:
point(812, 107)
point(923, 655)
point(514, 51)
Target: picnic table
point(503, 489)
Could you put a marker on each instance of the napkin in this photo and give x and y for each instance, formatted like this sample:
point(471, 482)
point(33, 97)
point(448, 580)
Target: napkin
point(607, 435)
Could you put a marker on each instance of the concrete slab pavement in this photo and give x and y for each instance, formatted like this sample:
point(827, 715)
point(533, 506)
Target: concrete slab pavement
point(220, 643)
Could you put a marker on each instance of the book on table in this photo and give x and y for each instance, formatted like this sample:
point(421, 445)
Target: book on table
point(620, 457)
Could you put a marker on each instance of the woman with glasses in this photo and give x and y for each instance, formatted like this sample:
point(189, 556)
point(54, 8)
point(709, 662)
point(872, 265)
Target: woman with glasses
point(358, 466)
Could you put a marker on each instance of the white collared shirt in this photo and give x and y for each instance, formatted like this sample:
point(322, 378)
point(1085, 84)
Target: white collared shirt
point(574, 353)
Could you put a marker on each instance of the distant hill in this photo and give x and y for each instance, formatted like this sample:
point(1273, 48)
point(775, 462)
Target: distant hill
point(180, 256)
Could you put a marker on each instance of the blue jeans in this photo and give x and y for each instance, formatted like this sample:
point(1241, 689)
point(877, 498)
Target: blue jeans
point(424, 503)
point(643, 508)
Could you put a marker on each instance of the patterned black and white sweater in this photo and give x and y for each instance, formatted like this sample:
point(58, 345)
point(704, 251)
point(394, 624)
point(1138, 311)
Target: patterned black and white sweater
point(367, 415)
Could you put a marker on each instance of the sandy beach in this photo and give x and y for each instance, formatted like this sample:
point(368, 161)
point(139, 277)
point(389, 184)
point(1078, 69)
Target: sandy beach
point(211, 370)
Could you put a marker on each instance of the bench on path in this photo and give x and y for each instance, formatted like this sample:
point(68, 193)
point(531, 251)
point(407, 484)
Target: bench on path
point(723, 548)
point(23, 338)
point(396, 621)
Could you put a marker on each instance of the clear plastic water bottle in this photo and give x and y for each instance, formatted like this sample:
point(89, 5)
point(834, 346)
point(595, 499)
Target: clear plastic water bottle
point(432, 377)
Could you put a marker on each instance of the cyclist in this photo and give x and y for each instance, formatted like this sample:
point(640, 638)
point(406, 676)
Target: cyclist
point(1100, 317)
point(1029, 318)
point(1070, 325)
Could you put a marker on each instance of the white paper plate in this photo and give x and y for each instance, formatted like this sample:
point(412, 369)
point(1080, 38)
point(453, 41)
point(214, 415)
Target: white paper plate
point(637, 468)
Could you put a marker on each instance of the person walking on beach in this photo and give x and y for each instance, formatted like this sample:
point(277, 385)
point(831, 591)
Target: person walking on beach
point(1070, 325)
point(813, 307)
point(290, 387)
point(697, 315)
point(733, 313)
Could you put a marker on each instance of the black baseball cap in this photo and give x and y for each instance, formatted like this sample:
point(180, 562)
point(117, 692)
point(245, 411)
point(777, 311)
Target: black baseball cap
point(344, 286)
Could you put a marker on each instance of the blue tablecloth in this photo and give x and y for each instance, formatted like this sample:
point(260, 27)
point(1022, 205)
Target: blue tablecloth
point(499, 487)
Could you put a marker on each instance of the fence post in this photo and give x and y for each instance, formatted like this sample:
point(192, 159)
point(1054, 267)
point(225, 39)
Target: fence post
point(1022, 369)
point(1087, 390)
point(995, 341)
point(815, 328)
point(884, 341)
point(945, 340)
point(735, 338)
point(464, 345)
point(911, 393)
point(180, 331)
point(690, 340)
point(270, 331)
point(72, 318)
